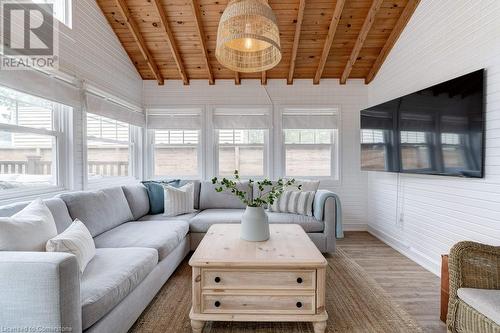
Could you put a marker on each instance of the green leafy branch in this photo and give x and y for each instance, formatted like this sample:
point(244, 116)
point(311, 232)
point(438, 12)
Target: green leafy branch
point(269, 191)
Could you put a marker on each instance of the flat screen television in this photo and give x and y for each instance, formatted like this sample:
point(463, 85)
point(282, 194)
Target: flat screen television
point(438, 130)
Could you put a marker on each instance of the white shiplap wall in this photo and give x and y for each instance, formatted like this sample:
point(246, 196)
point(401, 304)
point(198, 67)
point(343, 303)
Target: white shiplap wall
point(92, 52)
point(423, 216)
point(350, 98)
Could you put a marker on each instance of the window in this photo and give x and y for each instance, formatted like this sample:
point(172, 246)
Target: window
point(62, 10)
point(108, 148)
point(241, 140)
point(29, 138)
point(242, 150)
point(308, 152)
point(176, 153)
point(175, 148)
point(310, 143)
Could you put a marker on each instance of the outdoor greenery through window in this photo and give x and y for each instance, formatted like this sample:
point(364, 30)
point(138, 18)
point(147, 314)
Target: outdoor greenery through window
point(308, 152)
point(176, 153)
point(29, 136)
point(108, 148)
point(242, 150)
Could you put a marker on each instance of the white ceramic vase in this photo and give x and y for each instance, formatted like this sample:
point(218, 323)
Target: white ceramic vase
point(254, 225)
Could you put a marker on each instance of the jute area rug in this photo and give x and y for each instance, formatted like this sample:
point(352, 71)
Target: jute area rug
point(354, 301)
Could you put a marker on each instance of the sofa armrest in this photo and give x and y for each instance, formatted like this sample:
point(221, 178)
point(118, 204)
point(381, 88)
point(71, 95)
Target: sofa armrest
point(39, 291)
point(325, 209)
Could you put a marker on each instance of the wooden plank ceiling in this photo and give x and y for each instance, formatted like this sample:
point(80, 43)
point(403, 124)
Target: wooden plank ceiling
point(343, 39)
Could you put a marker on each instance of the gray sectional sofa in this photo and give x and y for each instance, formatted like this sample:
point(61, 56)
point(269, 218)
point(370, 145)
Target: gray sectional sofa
point(136, 254)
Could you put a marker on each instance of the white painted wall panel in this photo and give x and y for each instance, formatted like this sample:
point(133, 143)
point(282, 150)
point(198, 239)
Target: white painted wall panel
point(350, 98)
point(92, 52)
point(424, 216)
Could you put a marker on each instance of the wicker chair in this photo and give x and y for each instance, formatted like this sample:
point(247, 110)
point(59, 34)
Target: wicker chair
point(472, 265)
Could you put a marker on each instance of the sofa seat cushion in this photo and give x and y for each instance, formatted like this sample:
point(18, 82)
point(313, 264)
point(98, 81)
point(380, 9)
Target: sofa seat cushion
point(203, 220)
point(109, 277)
point(485, 301)
point(163, 236)
point(160, 217)
point(308, 223)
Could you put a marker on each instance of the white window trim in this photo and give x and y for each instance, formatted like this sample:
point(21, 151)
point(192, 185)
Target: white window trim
point(60, 164)
point(134, 159)
point(274, 145)
point(266, 165)
point(212, 139)
point(67, 20)
point(335, 179)
point(204, 156)
point(152, 146)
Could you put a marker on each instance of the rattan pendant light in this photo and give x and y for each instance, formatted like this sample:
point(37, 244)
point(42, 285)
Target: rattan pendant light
point(248, 38)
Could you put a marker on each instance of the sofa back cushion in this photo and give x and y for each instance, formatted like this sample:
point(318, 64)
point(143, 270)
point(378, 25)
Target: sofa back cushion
point(210, 199)
point(138, 200)
point(56, 206)
point(101, 210)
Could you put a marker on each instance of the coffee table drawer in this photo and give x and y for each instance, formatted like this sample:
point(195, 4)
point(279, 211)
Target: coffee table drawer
point(262, 304)
point(254, 279)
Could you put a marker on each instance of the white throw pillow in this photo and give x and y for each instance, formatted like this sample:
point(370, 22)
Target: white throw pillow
point(178, 200)
point(294, 202)
point(77, 240)
point(29, 229)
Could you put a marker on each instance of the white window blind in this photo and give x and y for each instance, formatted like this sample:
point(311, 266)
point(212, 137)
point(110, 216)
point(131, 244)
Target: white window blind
point(243, 118)
point(310, 142)
point(174, 119)
point(107, 108)
point(42, 85)
point(317, 118)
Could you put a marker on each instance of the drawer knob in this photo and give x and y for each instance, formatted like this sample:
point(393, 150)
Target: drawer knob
point(299, 280)
point(299, 304)
point(217, 304)
point(217, 279)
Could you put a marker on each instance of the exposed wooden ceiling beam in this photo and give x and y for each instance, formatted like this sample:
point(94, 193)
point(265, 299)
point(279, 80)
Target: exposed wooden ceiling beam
point(134, 30)
point(170, 37)
point(370, 18)
point(337, 13)
point(296, 40)
point(237, 79)
point(263, 78)
point(410, 8)
point(201, 34)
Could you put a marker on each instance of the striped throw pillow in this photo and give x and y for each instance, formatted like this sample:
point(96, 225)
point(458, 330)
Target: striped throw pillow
point(178, 201)
point(294, 202)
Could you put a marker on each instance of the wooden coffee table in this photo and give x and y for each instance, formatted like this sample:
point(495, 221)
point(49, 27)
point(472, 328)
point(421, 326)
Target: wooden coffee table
point(281, 279)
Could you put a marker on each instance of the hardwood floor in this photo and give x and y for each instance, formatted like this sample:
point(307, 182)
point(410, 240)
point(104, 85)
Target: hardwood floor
point(415, 289)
